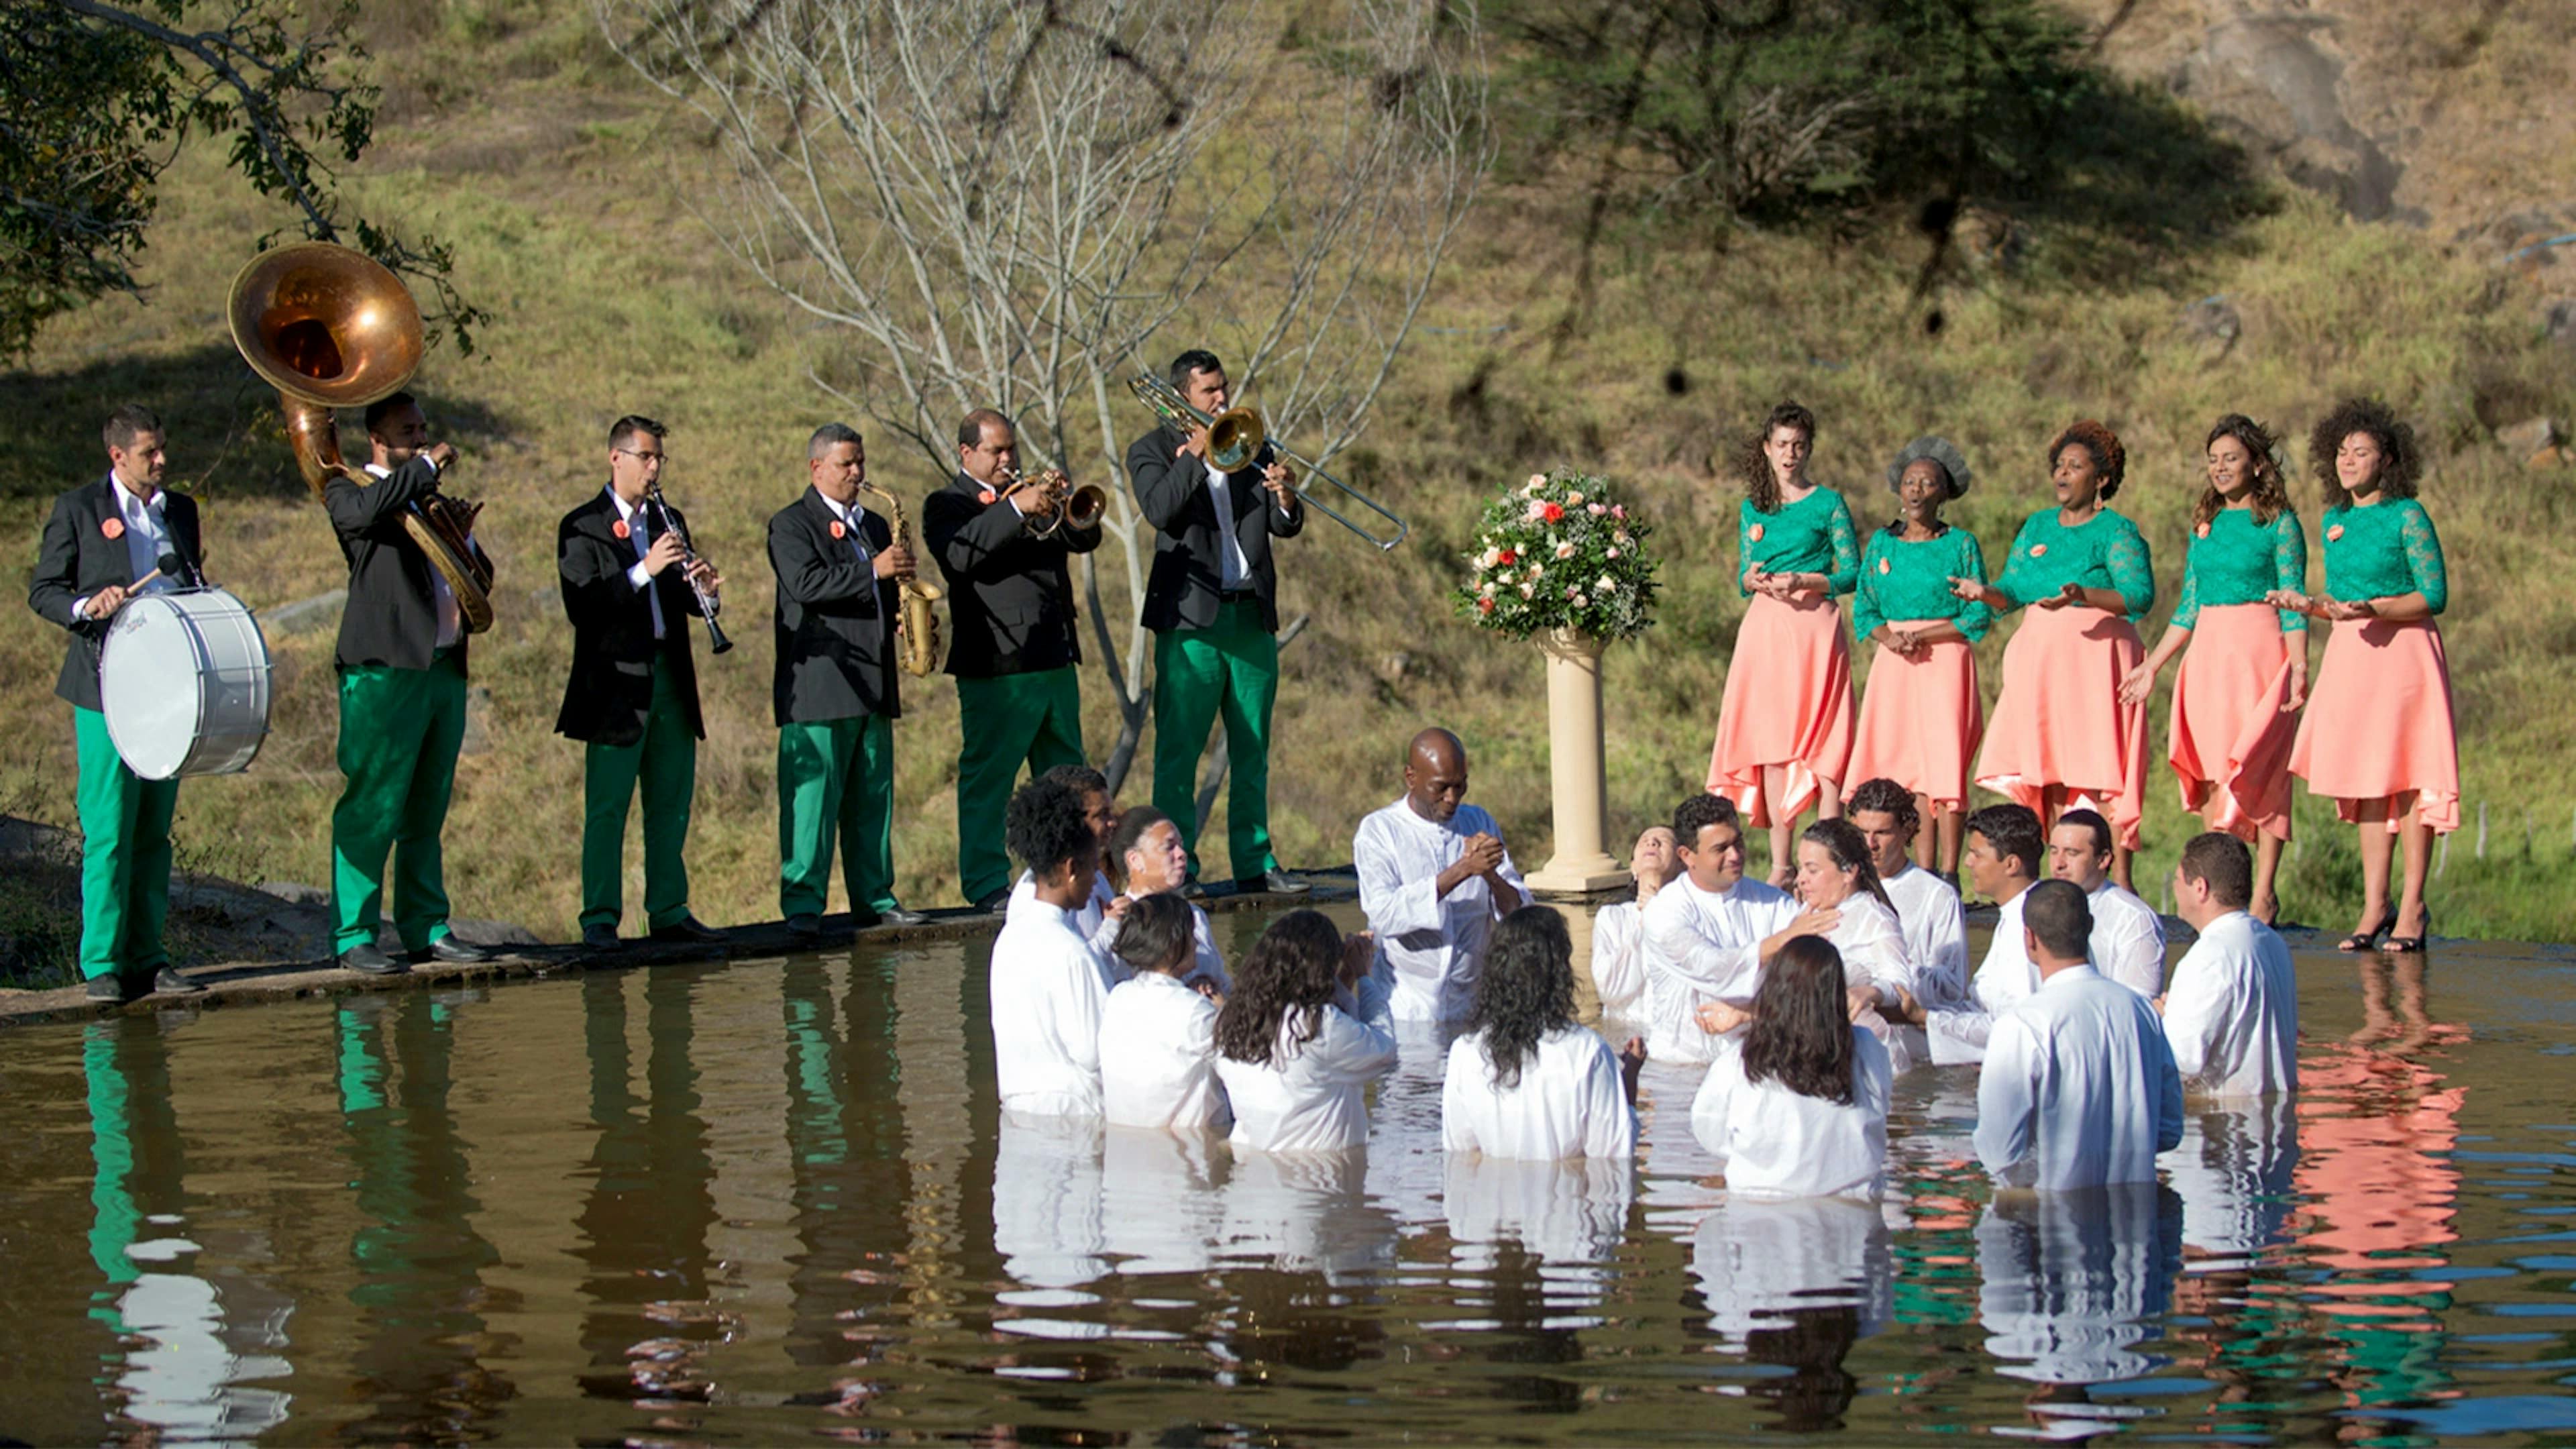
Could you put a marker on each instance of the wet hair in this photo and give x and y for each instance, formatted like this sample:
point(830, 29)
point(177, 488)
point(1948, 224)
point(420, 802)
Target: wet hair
point(1843, 842)
point(1801, 1035)
point(2013, 831)
point(385, 407)
point(2400, 463)
point(1191, 363)
point(1697, 813)
point(2104, 842)
point(1755, 465)
point(1526, 991)
point(830, 436)
point(1886, 797)
point(1132, 825)
point(2101, 445)
point(2221, 862)
point(1294, 970)
point(1045, 827)
point(128, 423)
point(623, 431)
point(1160, 934)
point(1083, 778)
point(2270, 495)
point(2059, 915)
point(970, 429)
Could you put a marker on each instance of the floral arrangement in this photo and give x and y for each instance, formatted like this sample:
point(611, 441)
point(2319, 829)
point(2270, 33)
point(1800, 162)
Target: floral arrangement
point(1560, 552)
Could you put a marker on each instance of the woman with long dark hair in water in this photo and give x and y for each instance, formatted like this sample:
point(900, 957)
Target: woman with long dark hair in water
point(1291, 1049)
point(1801, 1109)
point(1527, 1081)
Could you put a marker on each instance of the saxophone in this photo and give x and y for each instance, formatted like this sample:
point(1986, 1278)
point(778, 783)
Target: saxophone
point(917, 641)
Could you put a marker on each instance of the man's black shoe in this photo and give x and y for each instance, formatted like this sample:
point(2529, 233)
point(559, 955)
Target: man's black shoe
point(110, 988)
point(805, 927)
point(995, 903)
point(168, 982)
point(455, 952)
point(365, 958)
point(689, 929)
point(601, 937)
point(898, 916)
point(1274, 880)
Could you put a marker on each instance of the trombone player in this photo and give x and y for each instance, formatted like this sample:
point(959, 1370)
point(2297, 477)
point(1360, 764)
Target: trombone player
point(629, 586)
point(1212, 601)
point(1003, 543)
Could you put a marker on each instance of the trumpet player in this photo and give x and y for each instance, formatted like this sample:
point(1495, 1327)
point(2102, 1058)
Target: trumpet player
point(834, 692)
point(629, 587)
point(402, 662)
point(1013, 645)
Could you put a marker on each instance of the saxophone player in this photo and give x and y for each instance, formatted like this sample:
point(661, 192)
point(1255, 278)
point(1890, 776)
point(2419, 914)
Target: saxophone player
point(1013, 648)
point(629, 588)
point(834, 693)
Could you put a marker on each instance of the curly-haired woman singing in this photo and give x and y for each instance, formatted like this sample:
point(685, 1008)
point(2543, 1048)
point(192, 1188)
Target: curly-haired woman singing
point(2388, 753)
point(2059, 736)
point(2236, 701)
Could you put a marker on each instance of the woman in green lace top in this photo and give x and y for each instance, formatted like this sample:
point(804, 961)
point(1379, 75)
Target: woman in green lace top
point(2236, 701)
point(1921, 717)
point(2059, 736)
point(1784, 729)
point(2388, 751)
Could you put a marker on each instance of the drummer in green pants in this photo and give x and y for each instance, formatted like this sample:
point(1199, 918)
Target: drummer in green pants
point(102, 538)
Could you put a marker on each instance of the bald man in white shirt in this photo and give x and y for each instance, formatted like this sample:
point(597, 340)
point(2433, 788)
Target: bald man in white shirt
point(2232, 1016)
point(2128, 936)
point(1434, 877)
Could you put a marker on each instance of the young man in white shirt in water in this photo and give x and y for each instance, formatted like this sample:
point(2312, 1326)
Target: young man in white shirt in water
point(1047, 986)
point(2128, 935)
point(1935, 923)
point(1709, 931)
point(2232, 1016)
point(2002, 858)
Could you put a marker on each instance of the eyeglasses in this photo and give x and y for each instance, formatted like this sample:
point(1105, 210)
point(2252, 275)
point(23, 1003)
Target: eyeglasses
point(643, 457)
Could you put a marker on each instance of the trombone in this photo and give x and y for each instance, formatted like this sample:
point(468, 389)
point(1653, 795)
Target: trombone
point(1079, 508)
point(1235, 437)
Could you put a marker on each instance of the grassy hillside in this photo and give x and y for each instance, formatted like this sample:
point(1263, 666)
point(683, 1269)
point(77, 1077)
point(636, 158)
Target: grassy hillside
point(567, 195)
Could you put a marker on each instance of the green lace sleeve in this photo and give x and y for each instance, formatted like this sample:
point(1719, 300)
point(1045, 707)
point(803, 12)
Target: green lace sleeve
point(2016, 584)
point(1743, 547)
point(2133, 574)
point(2290, 566)
point(2424, 556)
point(1846, 570)
point(1973, 618)
point(1866, 613)
point(2186, 612)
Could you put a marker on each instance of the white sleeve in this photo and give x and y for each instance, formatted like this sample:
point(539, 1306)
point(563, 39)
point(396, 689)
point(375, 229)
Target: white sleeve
point(1074, 1004)
point(1210, 965)
point(2195, 1011)
point(2139, 952)
point(1958, 1037)
point(2007, 1096)
point(1879, 951)
point(1394, 905)
point(637, 575)
point(1609, 1123)
point(1616, 973)
point(1510, 872)
point(1949, 939)
point(1722, 971)
point(1349, 1050)
point(1714, 1102)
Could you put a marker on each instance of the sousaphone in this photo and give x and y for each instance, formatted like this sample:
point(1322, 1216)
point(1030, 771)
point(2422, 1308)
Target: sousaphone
point(330, 328)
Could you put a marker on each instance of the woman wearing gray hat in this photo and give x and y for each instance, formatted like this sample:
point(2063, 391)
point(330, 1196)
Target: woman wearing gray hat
point(1920, 713)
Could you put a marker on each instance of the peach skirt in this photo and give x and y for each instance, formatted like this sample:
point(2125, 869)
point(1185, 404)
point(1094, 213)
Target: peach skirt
point(2231, 736)
point(1788, 703)
point(2379, 724)
point(2060, 722)
point(1920, 720)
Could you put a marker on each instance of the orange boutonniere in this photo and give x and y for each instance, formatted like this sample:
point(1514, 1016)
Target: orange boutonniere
point(838, 531)
point(2333, 535)
point(113, 528)
point(986, 496)
point(1882, 566)
point(2039, 550)
point(621, 530)
point(1754, 533)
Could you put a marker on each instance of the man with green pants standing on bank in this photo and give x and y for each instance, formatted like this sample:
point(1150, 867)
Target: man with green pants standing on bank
point(401, 658)
point(834, 691)
point(632, 697)
point(1213, 604)
point(1012, 646)
point(107, 542)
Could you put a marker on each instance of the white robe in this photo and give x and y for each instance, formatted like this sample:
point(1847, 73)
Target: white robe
point(1936, 934)
point(2128, 942)
point(1158, 1057)
point(2079, 1088)
point(1312, 1103)
point(1618, 945)
point(1569, 1102)
point(1047, 988)
point(1773, 1142)
point(1208, 967)
point(2232, 1015)
point(1024, 894)
point(1703, 946)
point(1433, 945)
point(1958, 1033)
point(1872, 943)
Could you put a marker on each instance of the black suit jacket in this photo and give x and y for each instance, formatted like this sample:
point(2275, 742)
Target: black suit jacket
point(1010, 594)
point(76, 559)
point(392, 616)
point(610, 692)
point(834, 623)
point(1182, 592)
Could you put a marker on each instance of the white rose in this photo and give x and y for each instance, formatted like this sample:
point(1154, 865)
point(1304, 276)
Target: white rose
point(1565, 550)
point(1604, 584)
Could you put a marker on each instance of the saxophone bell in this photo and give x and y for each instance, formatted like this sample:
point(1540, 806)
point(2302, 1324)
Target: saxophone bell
point(917, 636)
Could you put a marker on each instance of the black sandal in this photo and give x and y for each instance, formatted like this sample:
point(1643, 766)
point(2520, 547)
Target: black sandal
point(2360, 941)
point(2412, 945)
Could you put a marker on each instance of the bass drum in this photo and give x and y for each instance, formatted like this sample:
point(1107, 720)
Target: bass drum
point(184, 683)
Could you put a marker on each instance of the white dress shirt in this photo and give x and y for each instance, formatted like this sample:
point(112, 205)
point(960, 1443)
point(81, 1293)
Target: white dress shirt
point(1936, 934)
point(2128, 940)
point(1773, 1142)
point(2079, 1087)
point(1158, 1057)
point(451, 618)
point(1312, 1103)
point(1618, 941)
point(1569, 1101)
point(147, 536)
point(633, 518)
point(1047, 989)
point(851, 516)
point(1703, 946)
point(1232, 567)
point(2232, 1016)
point(1092, 920)
point(1958, 1034)
point(1433, 945)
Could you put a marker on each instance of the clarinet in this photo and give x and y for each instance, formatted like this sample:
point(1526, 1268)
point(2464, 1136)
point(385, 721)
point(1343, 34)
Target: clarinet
point(709, 605)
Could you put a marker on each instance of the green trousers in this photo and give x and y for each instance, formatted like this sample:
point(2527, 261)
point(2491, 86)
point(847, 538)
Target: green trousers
point(665, 760)
point(125, 856)
point(836, 786)
point(399, 731)
point(1229, 669)
point(1034, 719)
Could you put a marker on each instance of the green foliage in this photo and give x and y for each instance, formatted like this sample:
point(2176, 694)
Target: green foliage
point(1559, 552)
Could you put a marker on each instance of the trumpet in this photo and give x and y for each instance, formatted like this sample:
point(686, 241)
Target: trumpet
point(1235, 439)
point(1078, 508)
point(710, 603)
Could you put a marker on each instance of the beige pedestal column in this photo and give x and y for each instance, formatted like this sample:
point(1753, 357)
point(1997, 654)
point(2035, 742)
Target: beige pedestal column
point(1581, 865)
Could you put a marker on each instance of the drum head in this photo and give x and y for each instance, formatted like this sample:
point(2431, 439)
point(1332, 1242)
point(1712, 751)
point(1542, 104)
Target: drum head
point(149, 686)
